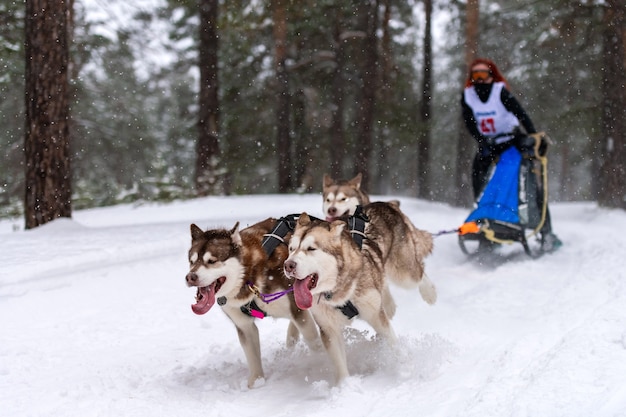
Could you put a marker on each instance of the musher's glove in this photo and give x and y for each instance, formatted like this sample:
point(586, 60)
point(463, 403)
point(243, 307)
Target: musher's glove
point(486, 141)
point(524, 142)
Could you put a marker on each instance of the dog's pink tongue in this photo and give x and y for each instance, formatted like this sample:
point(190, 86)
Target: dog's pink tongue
point(302, 294)
point(207, 300)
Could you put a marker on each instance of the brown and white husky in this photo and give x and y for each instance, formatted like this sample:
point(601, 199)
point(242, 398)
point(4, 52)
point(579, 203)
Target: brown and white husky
point(232, 268)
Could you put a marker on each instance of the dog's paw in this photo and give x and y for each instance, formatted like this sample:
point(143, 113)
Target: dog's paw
point(256, 382)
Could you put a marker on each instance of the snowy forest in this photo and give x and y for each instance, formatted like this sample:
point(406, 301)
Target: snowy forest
point(173, 99)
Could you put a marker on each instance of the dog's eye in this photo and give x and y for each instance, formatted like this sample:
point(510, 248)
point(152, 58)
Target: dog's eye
point(311, 248)
point(211, 261)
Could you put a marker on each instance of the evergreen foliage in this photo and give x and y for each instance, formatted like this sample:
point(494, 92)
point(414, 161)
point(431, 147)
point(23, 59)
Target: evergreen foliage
point(135, 85)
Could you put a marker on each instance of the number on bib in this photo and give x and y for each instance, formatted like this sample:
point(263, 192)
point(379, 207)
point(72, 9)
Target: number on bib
point(487, 126)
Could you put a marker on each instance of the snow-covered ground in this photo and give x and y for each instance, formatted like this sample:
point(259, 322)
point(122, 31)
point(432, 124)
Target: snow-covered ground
point(95, 320)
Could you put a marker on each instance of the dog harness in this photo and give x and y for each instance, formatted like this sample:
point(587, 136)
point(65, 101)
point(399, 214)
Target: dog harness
point(356, 224)
point(348, 309)
point(286, 224)
point(250, 309)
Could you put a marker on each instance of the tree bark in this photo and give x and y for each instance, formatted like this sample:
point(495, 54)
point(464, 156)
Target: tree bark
point(48, 193)
point(464, 154)
point(612, 192)
point(300, 142)
point(423, 150)
point(337, 134)
point(283, 138)
point(369, 76)
point(383, 182)
point(207, 147)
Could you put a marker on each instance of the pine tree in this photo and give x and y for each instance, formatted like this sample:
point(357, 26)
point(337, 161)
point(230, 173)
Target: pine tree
point(47, 145)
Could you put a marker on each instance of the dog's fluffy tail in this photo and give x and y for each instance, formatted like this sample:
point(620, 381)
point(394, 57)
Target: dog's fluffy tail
point(427, 290)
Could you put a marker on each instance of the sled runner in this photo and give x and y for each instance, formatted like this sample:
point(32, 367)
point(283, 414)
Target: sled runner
point(512, 207)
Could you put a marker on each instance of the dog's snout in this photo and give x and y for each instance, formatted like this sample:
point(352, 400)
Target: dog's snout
point(290, 266)
point(191, 278)
point(332, 210)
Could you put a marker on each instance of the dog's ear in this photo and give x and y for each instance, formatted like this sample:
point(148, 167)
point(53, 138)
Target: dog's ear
point(304, 219)
point(328, 181)
point(356, 181)
point(234, 234)
point(337, 227)
point(196, 232)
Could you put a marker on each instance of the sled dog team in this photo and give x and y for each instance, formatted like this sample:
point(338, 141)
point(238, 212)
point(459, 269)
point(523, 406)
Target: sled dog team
point(319, 274)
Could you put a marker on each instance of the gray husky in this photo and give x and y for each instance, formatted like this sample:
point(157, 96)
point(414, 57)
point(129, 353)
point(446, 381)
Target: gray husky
point(404, 246)
point(342, 197)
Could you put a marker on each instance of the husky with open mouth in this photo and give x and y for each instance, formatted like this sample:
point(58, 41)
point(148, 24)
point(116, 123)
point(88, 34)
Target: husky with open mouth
point(233, 268)
point(337, 281)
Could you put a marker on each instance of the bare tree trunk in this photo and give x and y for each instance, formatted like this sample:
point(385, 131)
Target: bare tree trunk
point(423, 150)
point(337, 135)
point(300, 143)
point(612, 191)
point(463, 152)
point(48, 193)
point(207, 147)
point(369, 76)
point(384, 180)
point(283, 139)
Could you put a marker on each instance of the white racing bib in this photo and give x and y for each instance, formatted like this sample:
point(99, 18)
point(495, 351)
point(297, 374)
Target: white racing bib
point(492, 117)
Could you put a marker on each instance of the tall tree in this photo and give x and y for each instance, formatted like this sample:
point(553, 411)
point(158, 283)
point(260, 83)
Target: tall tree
point(47, 138)
point(613, 170)
point(423, 150)
point(207, 147)
point(283, 138)
point(384, 97)
point(463, 149)
point(12, 106)
point(368, 75)
point(337, 133)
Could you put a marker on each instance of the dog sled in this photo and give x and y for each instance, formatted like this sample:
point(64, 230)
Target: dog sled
point(512, 208)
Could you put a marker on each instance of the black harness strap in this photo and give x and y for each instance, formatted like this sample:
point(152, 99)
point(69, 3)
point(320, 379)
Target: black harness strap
point(357, 223)
point(251, 309)
point(248, 309)
point(349, 310)
point(277, 235)
point(287, 224)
